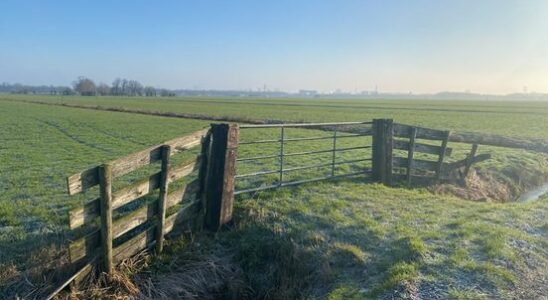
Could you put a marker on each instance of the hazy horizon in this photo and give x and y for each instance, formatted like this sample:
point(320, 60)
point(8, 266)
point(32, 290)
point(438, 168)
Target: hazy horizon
point(486, 47)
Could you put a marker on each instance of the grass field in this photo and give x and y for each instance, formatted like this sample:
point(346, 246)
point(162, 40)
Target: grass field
point(523, 119)
point(333, 240)
point(41, 146)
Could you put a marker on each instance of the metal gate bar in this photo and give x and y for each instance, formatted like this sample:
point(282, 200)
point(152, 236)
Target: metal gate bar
point(284, 184)
point(303, 139)
point(303, 153)
point(281, 155)
point(303, 168)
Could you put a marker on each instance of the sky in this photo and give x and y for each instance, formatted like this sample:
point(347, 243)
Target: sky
point(481, 46)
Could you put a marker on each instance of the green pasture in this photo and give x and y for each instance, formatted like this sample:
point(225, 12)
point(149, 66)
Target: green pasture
point(348, 239)
point(513, 118)
point(40, 146)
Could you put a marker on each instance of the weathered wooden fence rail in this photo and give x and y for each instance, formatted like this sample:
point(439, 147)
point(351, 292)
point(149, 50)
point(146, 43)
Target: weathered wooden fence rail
point(389, 136)
point(391, 139)
point(116, 226)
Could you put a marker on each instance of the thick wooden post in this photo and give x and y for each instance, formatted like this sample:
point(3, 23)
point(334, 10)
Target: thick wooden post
point(469, 161)
point(377, 150)
point(105, 186)
point(389, 146)
point(411, 154)
point(383, 135)
point(281, 166)
point(221, 169)
point(334, 154)
point(164, 184)
point(443, 152)
point(202, 177)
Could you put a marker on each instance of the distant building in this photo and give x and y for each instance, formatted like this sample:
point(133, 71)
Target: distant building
point(308, 92)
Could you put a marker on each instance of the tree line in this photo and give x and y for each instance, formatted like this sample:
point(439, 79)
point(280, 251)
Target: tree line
point(18, 88)
point(119, 87)
point(87, 87)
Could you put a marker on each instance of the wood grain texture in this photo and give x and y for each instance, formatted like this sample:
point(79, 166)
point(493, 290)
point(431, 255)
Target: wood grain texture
point(82, 181)
point(383, 145)
point(462, 163)
point(87, 213)
point(419, 164)
point(402, 130)
point(184, 193)
point(442, 154)
point(469, 162)
point(536, 145)
point(227, 202)
point(389, 151)
point(220, 175)
point(422, 148)
point(162, 199)
point(145, 240)
point(79, 248)
point(142, 241)
point(90, 244)
point(410, 153)
point(377, 144)
point(105, 187)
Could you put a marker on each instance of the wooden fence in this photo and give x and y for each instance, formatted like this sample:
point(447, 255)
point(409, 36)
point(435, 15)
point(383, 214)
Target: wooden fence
point(103, 238)
point(409, 140)
point(389, 136)
point(108, 239)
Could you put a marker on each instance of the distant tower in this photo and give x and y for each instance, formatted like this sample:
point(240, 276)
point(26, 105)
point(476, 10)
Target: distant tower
point(525, 89)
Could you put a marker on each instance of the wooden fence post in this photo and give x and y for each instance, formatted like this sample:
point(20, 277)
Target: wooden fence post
point(219, 193)
point(383, 135)
point(105, 186)
point(164, 184)
point(388, 151)
point(377, 150)
point(411, 153)
point(202, 177)
point(443, 152)
point(469, 161)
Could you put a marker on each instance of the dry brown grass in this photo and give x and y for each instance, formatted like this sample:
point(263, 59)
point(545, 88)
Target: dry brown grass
point(492, 185)
point(204, 277)
point(178, 275)
point(118, 285)
point(480, 186)
point(36, 276)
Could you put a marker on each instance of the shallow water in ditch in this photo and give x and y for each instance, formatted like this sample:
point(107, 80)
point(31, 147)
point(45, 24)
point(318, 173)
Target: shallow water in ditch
point(534, 194)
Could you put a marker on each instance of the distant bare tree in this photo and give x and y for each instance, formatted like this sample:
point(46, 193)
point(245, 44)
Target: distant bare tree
point(67, 92)
point(150, 91)
point(124, 87)
point(135, 88)
point(167, 93)
point(85, 86)
point(103, 89)
point(117, 87)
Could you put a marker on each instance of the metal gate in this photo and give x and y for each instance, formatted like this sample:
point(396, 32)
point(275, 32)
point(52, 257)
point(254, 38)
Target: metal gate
point(284, 139)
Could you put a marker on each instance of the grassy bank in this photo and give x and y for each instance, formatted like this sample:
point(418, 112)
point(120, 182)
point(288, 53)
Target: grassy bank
point(357, 240)
point(369, 240)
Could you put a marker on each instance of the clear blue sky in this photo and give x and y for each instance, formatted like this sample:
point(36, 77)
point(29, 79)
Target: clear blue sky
point(420, 46)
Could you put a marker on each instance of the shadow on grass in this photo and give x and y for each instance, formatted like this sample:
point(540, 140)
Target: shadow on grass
point(30, 267)
point(295, 254)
